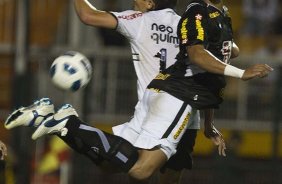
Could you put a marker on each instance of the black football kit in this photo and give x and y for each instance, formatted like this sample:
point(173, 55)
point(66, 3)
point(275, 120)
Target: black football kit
point(206, 25)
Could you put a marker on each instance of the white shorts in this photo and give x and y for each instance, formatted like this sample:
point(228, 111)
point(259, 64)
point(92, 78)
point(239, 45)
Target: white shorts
point(159, 121)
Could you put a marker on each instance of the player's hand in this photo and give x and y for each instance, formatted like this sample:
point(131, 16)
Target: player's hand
point(257, 71)
point(3, 150)
point(217, 138)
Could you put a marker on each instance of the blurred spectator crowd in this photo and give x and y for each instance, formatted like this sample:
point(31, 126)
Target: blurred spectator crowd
point(261, 27)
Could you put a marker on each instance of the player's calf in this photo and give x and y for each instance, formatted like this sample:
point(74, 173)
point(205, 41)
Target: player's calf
point(112, 148)
point(88, 140)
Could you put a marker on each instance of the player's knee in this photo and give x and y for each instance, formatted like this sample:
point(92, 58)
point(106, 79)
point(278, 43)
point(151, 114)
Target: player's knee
point(148, 162)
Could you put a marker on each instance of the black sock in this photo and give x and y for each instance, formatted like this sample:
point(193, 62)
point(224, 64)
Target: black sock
point(115, 149)
point(77, 144)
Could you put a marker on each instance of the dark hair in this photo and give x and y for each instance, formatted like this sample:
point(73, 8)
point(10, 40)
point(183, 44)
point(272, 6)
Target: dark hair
point(162, 4)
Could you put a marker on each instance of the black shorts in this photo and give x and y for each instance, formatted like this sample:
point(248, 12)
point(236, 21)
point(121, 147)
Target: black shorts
point(183, 157)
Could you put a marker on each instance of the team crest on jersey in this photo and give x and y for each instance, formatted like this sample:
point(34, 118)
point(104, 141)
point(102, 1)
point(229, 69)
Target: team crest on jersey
point(198, 17)
point(184, 41)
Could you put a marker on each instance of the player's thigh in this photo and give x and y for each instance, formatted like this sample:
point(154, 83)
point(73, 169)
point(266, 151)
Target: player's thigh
point(130, 130)
point(166, 121)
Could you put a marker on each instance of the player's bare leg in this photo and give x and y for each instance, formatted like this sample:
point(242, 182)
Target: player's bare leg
point(148, 162)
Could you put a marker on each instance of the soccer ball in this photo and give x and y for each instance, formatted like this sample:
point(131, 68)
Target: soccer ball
point(71, 71)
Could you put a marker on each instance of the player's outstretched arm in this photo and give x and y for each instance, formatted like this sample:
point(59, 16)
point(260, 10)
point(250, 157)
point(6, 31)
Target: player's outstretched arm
point(3, 150)
point(212, 133)
point(90, 15)
point(201, 57)
point(207, 61)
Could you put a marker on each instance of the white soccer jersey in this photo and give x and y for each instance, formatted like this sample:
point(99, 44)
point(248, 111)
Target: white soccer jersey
point(149, 33)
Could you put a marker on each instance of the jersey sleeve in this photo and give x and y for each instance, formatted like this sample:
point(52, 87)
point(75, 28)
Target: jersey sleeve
point(193, 26)
point(129, 22)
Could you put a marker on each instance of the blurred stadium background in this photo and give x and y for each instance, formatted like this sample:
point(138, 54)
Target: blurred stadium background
point(34, 32)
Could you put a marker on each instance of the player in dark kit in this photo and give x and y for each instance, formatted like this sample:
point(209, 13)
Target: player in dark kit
point(204, 32)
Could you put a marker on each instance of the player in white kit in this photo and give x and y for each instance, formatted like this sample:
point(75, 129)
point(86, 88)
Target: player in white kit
point(154, 46)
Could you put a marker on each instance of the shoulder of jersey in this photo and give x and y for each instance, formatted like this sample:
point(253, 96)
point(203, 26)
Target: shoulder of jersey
point(196, 4)
point(164, 11)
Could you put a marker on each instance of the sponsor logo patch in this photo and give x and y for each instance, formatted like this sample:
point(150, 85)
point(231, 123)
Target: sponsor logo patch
point(200, 29)
point(214, 15)
point(184, 31)
point(163, 33)
point(161, 76)
point(226, 51)
point(130, 17)
point(182, 126)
